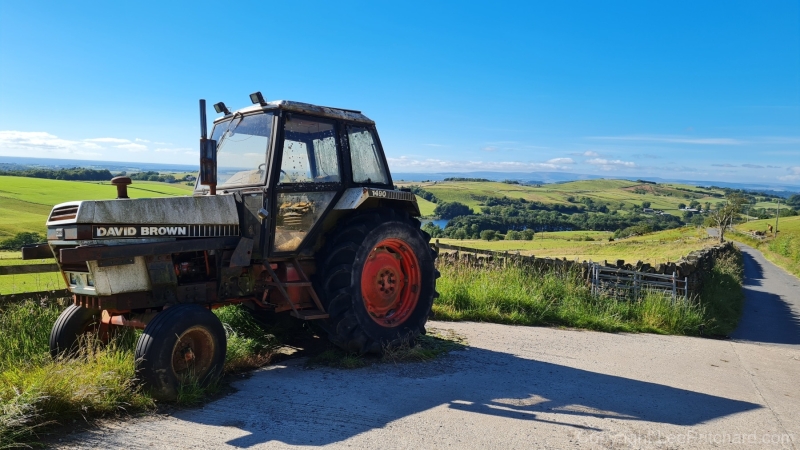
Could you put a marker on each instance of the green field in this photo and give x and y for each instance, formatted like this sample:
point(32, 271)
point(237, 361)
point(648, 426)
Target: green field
point(26, 202)
point(425, 207)
point(618, 193)
point(654, 248)
point(789, 225)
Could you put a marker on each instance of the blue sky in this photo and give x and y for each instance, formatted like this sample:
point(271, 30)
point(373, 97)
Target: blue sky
point(687, 90)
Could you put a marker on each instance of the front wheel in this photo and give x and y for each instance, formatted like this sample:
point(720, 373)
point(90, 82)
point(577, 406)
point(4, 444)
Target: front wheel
point(378, 281)
point(182, 344)
point(73, 322)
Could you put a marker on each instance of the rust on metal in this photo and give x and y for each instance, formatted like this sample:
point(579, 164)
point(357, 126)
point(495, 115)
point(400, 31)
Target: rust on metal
point(122, 186)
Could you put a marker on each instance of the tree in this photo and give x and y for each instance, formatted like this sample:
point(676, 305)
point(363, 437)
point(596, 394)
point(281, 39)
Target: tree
point(512, 235)
point(723, 216)
point(20, 239)
point(452, 209)
point(434, 230)
point(488, 234)
point(528, 234)
point(645, 204)
point(694, 204)
point(681, 205)
point(460, 234)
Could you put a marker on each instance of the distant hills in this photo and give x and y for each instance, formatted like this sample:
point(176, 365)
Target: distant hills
point(562, 177)
point(17, 163)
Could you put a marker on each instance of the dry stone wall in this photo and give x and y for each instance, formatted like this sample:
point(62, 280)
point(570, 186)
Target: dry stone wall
point(691, 266)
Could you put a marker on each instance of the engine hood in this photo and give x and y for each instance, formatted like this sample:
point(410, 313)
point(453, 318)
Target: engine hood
point(202, 216)
point(201, 210)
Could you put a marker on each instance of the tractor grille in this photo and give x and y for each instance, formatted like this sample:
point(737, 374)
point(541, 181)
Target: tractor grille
point(400, 195)
point(68, 212)
point(212, 230)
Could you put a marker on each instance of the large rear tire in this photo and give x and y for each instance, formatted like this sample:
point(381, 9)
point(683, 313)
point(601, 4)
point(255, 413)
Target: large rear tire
point(182, 344)
point(73, 322)
point(377, 280)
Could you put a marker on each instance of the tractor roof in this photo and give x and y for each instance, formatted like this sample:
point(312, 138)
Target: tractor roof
point(288, 105)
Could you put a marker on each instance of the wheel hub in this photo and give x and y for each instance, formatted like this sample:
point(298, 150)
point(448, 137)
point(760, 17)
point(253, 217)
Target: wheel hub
point(390, 282)
point(193, 353)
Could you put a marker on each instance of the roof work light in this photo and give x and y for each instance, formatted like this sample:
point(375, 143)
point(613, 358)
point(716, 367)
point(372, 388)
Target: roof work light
point(221, 108)
point(256, 97)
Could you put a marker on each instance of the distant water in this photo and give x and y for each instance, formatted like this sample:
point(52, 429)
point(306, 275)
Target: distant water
point(441, 222)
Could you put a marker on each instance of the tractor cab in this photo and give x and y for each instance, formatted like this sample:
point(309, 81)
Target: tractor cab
point(289, 162)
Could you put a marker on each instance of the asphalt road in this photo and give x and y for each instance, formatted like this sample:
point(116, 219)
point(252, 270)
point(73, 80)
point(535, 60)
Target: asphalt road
point(513, 387)
point(771, 312)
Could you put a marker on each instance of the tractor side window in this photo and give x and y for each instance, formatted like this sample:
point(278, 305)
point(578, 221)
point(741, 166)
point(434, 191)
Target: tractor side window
point(309, 152)
point(367, 165)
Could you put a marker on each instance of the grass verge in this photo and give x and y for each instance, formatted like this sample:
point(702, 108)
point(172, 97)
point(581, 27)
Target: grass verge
point(526, 296)
point(38, 393)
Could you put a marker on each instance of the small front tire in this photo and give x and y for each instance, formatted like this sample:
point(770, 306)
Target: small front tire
point(73, 322)
point(182, 344)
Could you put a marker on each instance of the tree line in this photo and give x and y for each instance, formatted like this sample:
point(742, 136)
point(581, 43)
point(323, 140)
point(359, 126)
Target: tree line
point(71, 174)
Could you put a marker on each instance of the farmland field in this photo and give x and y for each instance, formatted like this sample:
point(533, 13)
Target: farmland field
point(26, 202)
point(618, 193)
point(654, 248)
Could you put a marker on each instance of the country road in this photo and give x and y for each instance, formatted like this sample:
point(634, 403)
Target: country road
point(772, 301)
point(513, 387)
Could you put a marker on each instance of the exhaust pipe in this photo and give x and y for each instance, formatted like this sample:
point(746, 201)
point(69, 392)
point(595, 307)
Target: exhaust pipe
point(208, 154)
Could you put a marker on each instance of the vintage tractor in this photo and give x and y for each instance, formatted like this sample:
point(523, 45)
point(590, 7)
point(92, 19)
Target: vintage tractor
point(294, 210)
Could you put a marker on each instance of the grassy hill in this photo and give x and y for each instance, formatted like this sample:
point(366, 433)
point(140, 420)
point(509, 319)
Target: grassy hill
point(618, 193)
point(654, 248)
point(26, 202)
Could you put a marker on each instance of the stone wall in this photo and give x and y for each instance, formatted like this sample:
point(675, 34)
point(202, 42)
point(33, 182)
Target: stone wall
point(691, 266)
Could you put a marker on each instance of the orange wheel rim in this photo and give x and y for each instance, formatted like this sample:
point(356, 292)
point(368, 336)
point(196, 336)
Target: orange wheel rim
point(390, 282)
point(193, 354)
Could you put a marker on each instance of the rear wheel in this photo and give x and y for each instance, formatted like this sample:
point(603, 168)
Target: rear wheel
point(378, 281)
point(73, 322)
point(182, 344)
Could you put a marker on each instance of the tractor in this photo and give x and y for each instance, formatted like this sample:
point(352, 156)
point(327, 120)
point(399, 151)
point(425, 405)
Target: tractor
point(294, 210)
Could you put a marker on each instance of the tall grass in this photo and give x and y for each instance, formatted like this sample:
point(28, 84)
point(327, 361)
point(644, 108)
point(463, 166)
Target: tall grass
point(722, 296)
point(37, 391)
point(521, 295)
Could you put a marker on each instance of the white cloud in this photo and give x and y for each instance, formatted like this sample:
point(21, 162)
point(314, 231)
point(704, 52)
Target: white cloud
point(435, 145)
point(174, 150)
point(607, 164)
point(133, 147)
point(42, 144)
point(142, 140)
point(405, 163)
point(591, 154)
point(794, 174)
point(672, 140)
point(561, 161)
point(108, 140)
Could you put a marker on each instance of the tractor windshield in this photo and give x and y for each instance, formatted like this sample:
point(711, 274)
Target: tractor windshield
point(242, 144)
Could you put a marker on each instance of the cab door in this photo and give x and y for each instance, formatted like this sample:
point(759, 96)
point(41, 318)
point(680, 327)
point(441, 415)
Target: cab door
point(308, 180)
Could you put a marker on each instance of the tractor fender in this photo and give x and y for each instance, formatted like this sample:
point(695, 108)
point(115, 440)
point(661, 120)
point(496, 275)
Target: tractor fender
point(368, 197)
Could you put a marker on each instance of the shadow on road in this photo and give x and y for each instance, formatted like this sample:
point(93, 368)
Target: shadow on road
point(766, 317)
point(298, 406)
